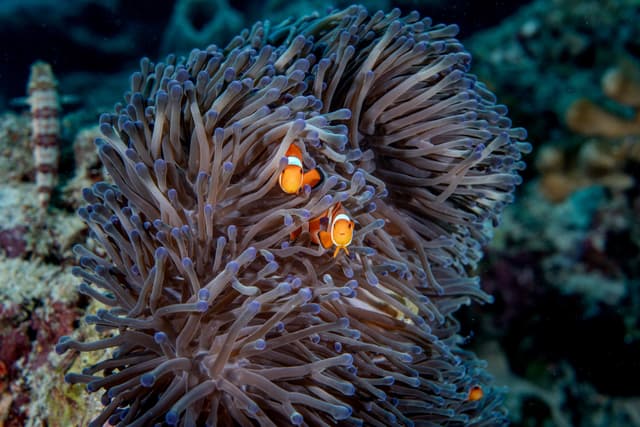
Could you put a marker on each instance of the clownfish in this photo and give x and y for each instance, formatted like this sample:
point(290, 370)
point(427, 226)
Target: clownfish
point(293, 178)
point(475, 393)
point(333, 228)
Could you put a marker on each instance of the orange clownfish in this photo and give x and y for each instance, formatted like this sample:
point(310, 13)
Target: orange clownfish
point(293, 178)
point(475, 393)
point(333, 227)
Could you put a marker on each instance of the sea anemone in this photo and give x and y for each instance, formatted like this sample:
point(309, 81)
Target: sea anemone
point(215, 316)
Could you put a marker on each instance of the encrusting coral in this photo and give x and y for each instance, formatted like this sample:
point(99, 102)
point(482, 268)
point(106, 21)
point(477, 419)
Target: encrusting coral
point(620, 83)
point(605, 158)
point(216, 315)
point(604, 163)
point(88, 168)
point(16, 151)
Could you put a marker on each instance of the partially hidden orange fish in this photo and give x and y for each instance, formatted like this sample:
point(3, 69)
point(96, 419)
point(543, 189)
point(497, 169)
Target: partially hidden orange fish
point(333, 227)
point(293, 178)
point(475, 393)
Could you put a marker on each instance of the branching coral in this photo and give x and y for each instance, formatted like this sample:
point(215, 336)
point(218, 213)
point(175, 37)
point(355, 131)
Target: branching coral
point(218, 318)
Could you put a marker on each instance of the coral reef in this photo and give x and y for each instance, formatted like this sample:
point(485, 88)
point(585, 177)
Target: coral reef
point(198, 23)
point(563, 266)
point(620, 83)
point(607, 158)
point(16, 149)
point(214, 315)
point(37, 290)
point(50, 237)
point(564, 263)
point(39, 298)
point(51, 401)
point(567, 44)
point(596, 163)
point(39, 305)
point(88, 168)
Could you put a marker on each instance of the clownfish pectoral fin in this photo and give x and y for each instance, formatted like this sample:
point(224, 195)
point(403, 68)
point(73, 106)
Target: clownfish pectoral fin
point(313, 178)
point(325, 239)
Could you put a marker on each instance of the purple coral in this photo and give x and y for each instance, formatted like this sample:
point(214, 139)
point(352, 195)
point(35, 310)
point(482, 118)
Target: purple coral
point(216, 316)
point(12, 241)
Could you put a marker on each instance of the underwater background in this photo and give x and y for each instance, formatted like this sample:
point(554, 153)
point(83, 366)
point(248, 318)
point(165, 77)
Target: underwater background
point(563, 334)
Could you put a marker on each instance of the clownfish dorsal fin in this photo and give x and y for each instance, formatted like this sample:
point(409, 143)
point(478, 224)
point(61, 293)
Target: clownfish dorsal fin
point(294, 151)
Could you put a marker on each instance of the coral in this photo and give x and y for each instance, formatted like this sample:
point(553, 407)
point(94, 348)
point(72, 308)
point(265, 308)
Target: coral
point(215, 316)
point(561, 400)
point(87, 163)
point(587, 118)
point(56, 403)
point(563, 273)
point(562, 241)
point(38, 298)
point(12, 242)
point(16, 149)
point(521, 390)
point(37, 281)
point(88, 168)
point(620, 83)
point(28, 332)
point(596, 163)
point(198, 22)
point(50, 237)
point(567, 44)
point(613, 148)
point(22, 353)
point(282, 10)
